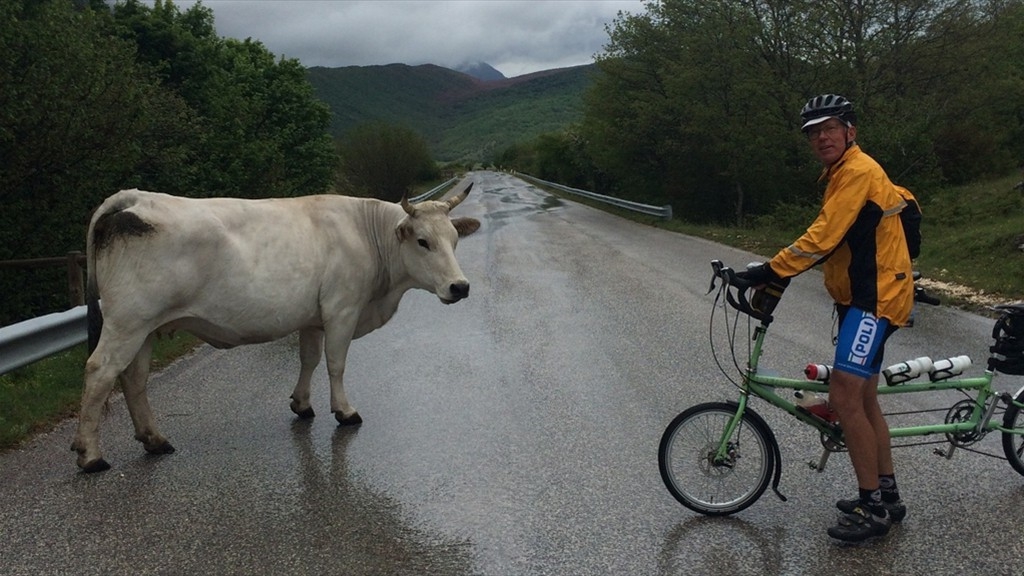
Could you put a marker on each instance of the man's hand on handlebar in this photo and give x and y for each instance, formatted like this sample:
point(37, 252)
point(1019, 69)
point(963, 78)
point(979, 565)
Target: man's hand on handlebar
point(766, 285)
point(758, 274)
point(761, 275)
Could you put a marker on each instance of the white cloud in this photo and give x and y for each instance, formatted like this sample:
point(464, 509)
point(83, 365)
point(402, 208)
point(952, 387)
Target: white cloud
point(515, 36)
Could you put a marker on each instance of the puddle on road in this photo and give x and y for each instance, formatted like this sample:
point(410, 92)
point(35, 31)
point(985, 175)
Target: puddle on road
point(551, 202)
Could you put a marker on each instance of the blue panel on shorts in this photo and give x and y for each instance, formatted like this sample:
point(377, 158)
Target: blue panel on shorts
point(861, 336)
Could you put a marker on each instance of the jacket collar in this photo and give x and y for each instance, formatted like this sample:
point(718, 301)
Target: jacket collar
point(828, 171)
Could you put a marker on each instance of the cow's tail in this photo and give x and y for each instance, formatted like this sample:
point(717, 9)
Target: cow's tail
point(94, 315)
point(104, 225)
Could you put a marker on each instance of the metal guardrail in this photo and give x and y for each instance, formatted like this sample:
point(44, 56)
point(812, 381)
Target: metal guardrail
point(26, 342)
point(662, 211)
point(431, 192)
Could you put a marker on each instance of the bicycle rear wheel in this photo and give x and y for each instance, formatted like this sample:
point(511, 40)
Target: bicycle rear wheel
point(1013, 444)
point(686, 458)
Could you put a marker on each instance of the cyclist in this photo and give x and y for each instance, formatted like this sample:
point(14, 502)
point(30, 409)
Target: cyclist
point(859, 240)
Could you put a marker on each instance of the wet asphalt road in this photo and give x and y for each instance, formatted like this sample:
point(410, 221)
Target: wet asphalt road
point(512, 433)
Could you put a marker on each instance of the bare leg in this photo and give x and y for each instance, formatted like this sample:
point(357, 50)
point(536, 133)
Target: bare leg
point(879, 425)
point(856, 400)
point(848, 394)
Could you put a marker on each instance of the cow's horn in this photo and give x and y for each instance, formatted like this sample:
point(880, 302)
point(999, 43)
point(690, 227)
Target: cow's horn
point(406, 206)
point(456, 200)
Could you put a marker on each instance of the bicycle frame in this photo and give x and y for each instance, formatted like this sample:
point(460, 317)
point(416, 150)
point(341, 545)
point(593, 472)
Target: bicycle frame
point(763, 386)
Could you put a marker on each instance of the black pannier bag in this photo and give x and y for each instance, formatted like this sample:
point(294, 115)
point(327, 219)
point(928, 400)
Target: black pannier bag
point(1008, 351)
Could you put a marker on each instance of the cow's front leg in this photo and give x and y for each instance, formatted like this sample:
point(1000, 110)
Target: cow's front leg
point(338, 336)
point(311, 345)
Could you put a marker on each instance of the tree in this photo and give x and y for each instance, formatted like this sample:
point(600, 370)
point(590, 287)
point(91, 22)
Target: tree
point(78, 116)
point(685, 101)
point(384, 160)
point(696, 101)
point(95, 99)
point(264, 132)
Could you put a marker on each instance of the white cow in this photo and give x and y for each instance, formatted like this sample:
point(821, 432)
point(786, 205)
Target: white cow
point(235, 271)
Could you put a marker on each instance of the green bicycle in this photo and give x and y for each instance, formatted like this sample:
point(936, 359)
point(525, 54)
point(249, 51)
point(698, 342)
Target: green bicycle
point(718, 458)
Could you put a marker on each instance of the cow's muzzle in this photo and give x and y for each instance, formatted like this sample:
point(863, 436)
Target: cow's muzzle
point(456, 291)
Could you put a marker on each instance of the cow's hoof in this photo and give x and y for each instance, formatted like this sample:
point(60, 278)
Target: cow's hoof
point(97, 465)
point(353, 419)
point(162, 448)
point(304, 413)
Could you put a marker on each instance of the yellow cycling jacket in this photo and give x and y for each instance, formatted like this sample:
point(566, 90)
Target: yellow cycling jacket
point(859, 238)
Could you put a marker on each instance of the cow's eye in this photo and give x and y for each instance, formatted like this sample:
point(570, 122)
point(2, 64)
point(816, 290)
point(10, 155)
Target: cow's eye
point(424, 243)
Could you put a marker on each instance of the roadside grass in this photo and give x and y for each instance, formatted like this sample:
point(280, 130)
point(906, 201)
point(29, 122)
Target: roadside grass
point(972, 236)
point(971, 252)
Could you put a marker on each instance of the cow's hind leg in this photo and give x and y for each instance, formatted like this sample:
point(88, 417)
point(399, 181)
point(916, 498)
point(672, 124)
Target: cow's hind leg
point(311, 345)
point(133, 382)
point(104, 365)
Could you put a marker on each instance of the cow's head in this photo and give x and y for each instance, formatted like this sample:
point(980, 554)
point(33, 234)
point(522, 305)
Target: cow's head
point(428, 237)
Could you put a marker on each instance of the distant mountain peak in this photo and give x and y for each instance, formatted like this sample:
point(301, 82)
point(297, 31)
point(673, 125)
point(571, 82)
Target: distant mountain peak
point(480, 71)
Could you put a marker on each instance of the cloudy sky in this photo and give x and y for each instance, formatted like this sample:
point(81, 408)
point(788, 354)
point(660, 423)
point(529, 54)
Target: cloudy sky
point(514, 36)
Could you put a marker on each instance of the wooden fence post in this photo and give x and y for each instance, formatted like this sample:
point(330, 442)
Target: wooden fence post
point(76, 290)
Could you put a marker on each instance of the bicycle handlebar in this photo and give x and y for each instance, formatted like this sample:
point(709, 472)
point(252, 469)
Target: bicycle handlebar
point(925, 298)
point(920, 295)
point(737, 300)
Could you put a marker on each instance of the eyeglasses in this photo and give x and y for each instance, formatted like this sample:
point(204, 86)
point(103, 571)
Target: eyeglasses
point(829, 131)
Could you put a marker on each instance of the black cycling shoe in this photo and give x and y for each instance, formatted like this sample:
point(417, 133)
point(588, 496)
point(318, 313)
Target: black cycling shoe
point(861, 525)
point(897, 511)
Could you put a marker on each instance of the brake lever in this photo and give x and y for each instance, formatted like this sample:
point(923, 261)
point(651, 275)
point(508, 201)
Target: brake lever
point(714, 284)
point(716, 265)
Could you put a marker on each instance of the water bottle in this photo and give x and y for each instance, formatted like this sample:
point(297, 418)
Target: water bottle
point(819, 372)
point(948, 367)
point(899, 373)
point(816, 405)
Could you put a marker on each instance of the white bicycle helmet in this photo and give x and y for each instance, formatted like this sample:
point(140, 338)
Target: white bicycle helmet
point(821, 108)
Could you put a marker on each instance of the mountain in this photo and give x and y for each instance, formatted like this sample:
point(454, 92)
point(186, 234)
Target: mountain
point(481, 71)
point(462, 118)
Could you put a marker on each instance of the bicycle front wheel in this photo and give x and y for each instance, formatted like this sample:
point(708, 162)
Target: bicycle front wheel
point(1013, 444)
point(696, 478)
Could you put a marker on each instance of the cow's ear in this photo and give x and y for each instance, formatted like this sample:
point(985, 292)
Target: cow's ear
point(404, 231)
point(465, 226)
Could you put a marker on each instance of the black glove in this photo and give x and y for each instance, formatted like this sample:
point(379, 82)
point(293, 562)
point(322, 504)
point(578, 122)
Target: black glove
point(759, 274)
point(769, 287)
